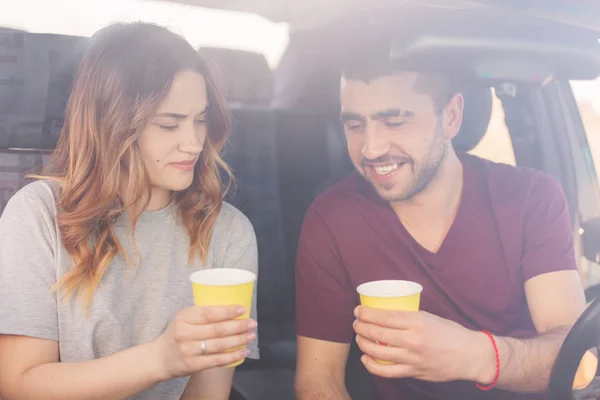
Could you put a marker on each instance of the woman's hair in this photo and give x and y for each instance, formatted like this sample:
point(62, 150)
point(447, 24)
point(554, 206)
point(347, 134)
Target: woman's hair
point(126, 72)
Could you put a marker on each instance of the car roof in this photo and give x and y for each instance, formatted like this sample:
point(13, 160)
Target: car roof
point(308, 14)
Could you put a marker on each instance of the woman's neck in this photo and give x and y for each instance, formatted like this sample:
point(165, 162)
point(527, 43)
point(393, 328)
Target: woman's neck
point(159, 199)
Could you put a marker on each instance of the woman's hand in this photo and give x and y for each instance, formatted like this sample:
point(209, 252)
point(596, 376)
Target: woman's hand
point(199, 338)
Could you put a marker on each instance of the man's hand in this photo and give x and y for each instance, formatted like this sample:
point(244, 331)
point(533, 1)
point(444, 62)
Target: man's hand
point(422, 346)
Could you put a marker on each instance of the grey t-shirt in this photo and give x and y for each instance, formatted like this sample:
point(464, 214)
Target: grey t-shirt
point(132, 305)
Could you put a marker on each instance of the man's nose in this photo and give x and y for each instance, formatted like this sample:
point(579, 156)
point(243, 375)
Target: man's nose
point(375, 143)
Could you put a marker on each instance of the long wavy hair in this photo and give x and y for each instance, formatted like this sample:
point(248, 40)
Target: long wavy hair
point(125, 73)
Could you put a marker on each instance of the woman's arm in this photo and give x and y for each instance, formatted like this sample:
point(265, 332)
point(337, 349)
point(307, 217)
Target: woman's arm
point(31, 369)
point(211, 384)
point(241, 251)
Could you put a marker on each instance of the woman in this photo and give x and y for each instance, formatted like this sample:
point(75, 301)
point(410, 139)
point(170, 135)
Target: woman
point(95, 300)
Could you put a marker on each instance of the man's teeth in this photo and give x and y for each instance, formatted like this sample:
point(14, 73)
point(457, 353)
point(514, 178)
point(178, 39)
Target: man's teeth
point(385, 169)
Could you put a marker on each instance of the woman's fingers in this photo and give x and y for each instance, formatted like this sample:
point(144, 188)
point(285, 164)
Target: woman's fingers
point(208, 315)
point(190, 332)
point(205, 337)
point(218, 360)
point(217, 346)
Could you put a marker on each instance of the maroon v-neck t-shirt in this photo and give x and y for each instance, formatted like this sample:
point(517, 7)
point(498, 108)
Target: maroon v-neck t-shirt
point(512, 225)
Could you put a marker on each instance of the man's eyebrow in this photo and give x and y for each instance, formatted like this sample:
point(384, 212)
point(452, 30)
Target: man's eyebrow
point(348, 116)
point(393, 112)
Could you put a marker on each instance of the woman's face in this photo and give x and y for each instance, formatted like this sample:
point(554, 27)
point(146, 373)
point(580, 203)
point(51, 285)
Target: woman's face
point(172, 142)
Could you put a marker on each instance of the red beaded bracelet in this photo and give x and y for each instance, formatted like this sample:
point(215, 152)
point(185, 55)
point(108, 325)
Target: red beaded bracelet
point(497, 353)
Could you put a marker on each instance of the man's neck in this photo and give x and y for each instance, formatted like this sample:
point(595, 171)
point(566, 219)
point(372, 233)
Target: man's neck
point(439, 202)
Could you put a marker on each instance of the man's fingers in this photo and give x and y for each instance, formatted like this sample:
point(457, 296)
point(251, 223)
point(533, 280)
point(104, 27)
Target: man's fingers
point(383, 352)
point(379, 334)
point(395, 319)
point(214, 330)
point(387, 371)
point(205, 315)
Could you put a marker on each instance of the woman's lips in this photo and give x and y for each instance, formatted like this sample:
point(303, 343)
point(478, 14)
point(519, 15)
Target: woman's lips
point(184, 165)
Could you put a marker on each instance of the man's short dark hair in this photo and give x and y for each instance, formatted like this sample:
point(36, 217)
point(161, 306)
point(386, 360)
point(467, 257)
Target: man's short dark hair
point(440, 86)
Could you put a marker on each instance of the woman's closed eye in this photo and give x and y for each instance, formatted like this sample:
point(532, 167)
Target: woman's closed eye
point(169, 128)
point(174, 127)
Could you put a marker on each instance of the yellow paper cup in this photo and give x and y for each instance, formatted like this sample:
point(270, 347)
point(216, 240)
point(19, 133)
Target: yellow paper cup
point(390, 295)
point(224, 287)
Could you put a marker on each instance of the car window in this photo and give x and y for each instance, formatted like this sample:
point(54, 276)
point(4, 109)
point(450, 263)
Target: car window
point(587, 94)
point(202, 27)
point(496, 145)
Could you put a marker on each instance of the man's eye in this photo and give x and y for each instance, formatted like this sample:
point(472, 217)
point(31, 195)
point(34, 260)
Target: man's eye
point(354, 126)
point(395, 124)
point(200, 122)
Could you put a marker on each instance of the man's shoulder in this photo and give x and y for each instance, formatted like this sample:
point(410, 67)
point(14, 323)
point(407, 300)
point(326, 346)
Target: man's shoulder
point(515, 183)
point(498, 172)
point(338, 205)
point(337, 195)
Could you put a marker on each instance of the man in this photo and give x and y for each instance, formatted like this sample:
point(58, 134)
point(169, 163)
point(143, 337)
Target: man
point(491, 244)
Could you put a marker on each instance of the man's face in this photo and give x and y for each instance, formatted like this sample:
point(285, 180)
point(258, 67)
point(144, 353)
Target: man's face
point(395, 137)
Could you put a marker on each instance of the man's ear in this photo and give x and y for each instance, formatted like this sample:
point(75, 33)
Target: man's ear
point(453, 115)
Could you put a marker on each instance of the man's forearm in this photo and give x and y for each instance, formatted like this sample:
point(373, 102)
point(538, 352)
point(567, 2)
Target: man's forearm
point(321, 388)
point(525, 364)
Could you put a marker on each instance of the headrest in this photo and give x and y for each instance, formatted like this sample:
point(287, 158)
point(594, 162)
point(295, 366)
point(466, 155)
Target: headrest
point(35, 83)
point(246, 75)
point(476, 117)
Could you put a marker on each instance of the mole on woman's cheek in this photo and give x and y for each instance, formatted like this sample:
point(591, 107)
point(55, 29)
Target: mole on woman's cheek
point(157, 160)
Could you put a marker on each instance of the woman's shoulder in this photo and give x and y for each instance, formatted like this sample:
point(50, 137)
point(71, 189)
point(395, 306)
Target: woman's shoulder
point(37, 197)
point(30, 215)
point(234, 221)
point(234, 241)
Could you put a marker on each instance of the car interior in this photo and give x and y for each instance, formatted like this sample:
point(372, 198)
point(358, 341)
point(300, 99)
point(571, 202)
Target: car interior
point(287, 144)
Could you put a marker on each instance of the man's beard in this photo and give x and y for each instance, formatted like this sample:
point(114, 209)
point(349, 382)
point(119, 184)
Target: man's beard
point(427, 172)
point(422, 180)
